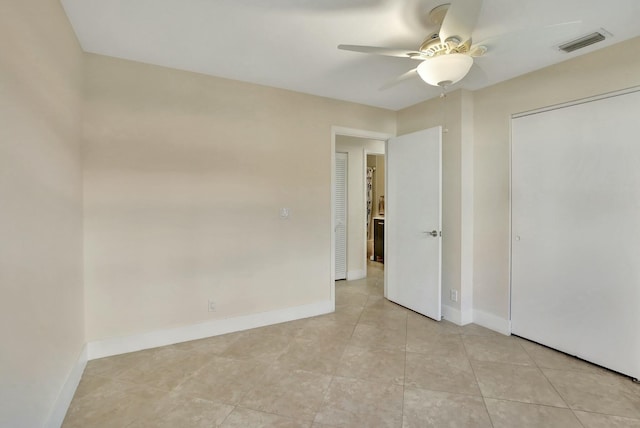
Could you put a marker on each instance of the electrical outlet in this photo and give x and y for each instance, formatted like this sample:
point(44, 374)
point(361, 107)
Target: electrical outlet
point(212, 306)
point(453, 295)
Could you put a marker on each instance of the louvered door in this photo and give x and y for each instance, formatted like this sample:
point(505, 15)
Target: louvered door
point(341, 215)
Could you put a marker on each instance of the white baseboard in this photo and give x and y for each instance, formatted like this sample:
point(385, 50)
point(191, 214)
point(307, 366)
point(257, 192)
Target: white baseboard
point(154, 339)
point(356, 274)
point(455, 315)
point(59, 411)
point(452, 314)
point(492, 322)
point(467, 317)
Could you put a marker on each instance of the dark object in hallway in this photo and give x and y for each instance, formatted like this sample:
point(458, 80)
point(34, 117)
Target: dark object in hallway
point(378, 237)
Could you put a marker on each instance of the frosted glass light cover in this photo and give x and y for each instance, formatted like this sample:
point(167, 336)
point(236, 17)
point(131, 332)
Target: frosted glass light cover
point(444, 70)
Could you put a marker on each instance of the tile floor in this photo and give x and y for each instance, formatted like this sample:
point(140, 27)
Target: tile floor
point(369, 364)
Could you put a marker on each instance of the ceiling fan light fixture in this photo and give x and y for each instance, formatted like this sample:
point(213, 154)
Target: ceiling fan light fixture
point(445, 70)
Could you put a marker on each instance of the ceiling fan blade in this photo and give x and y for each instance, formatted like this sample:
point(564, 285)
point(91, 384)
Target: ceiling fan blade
point(405, 76)
point(477, 50)
point(460, 20)
point(400, 53)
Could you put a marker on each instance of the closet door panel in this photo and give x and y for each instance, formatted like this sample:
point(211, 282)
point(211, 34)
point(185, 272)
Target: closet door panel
point(576, 230)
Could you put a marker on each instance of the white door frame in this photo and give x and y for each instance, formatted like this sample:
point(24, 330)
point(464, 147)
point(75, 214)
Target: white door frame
point(347, 132)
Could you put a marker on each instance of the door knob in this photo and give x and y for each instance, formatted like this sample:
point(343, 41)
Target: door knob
point(432, 233)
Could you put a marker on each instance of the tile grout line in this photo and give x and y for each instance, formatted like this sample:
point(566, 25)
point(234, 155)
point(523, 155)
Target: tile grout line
point(233, 409)
point(484, 401)
point(333, 375)
point(404, 373)
point(553, 386)
point(608, 415)
point(291, 418)
point(535, 363)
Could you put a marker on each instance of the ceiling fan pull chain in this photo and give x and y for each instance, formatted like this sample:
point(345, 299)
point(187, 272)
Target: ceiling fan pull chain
point(443, 95)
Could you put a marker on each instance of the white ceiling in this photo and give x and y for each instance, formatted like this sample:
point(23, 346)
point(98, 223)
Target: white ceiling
point(291, 44)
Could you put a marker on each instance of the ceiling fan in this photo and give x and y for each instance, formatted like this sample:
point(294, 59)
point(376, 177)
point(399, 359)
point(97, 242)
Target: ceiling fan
point(447, 54)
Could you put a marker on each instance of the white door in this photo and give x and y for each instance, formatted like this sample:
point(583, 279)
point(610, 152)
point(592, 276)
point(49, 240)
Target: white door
point(576, 230)
point(341, 215)
point(413, 221)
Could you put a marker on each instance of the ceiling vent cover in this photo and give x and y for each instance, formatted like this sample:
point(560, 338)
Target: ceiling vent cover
point(582, 42)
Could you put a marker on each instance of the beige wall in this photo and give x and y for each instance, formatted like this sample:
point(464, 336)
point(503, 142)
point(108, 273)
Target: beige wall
point(356, 210)
point(41, 307)
point(606, 70)
point(184, 178)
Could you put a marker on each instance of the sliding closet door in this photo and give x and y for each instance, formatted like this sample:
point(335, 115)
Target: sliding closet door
point(576, 230)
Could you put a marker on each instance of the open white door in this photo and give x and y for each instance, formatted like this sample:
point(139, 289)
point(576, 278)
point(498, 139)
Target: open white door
point(341, 215)
point(413, 240)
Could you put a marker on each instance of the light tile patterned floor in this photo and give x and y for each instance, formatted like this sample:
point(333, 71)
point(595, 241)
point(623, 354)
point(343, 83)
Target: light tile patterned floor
point(369, 364)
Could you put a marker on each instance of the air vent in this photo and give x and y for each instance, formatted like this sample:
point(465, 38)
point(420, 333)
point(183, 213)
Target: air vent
point(582, 42)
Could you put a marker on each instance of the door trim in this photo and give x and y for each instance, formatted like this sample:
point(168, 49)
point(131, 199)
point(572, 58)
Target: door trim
point(348, 132)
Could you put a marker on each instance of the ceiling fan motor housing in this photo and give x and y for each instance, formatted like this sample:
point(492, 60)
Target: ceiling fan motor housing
point(433, 46)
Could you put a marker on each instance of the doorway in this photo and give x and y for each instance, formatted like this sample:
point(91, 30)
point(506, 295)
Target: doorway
point(374, 205)
point(412, 277)
point(359, 250)
point(354, 204)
